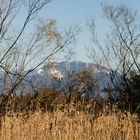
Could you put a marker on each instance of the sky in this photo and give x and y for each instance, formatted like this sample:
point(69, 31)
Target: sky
point(78, 12)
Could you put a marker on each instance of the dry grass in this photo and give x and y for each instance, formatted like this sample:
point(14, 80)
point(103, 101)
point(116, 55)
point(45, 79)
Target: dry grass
point(68, 126)
point(47, 116)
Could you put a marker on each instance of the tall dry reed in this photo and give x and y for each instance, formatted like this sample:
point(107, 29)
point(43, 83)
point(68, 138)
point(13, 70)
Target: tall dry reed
point(67, 126)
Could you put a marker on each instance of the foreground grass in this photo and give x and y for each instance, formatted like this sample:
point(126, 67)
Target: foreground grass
point(68, 126)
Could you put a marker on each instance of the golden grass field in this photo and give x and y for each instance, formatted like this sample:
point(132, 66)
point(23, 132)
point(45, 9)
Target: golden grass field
point(50, 117)
point(69, 126)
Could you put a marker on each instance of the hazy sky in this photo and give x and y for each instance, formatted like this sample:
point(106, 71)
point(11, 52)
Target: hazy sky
point(77, 12)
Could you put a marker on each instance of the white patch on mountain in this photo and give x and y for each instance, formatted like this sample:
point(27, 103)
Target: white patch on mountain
point(39, 71)
point(56, 74)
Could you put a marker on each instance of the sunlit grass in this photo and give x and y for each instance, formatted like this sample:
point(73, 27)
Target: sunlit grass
point(67, 126)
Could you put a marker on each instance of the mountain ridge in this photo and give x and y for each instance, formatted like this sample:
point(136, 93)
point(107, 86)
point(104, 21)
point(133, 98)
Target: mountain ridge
point(56, 75)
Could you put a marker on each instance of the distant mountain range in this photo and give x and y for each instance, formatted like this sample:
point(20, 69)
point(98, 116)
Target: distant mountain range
point(56, 75)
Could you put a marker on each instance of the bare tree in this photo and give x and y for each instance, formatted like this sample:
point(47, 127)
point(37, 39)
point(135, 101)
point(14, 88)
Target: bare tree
point(120, 52)
point(22, 52)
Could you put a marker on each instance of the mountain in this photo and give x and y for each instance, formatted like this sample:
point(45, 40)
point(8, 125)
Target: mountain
point(62, 76)
point(58, 75)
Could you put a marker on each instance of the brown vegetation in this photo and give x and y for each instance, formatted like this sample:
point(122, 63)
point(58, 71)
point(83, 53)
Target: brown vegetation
point(61, 126)
point(49, 115)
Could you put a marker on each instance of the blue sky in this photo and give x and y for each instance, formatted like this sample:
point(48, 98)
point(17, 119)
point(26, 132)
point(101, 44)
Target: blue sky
point(77, 12)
